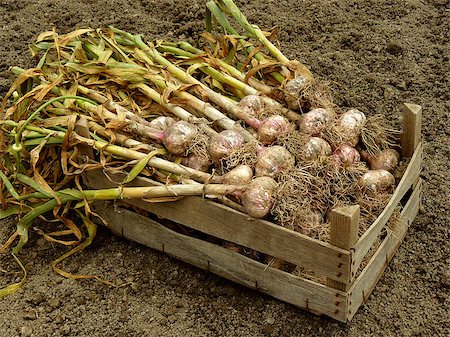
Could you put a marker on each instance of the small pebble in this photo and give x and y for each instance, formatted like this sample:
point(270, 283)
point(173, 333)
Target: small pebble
point(80, 300)
point(26, 331)
point(162, 320)
point(267, 329)
point(65, 330)
point(43, 244)
point(389, 92)
point(402, 85)
point(170, 310)
point(54, 303)
point(29, 315)
point(37, 298)
point(135, 286)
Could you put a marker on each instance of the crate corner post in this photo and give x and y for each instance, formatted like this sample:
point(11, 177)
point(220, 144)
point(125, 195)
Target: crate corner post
point(344, 233)
point(412, 128)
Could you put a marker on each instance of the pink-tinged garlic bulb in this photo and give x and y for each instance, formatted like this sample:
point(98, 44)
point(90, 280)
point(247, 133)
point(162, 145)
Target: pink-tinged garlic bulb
point(197, 161)
point(251, 105)
point(240, 175)
point(295, 86)
point(377, 181)
point(387, 160)
point(179, 137)
point(273, 127)
point(250, 110)
point(294, 90)
point(162, 122)
point(346, 155)
point(258, 197)
point(353, 118)
point(223, 144)
point(315, 148)
point(313, 122)
point(273, 160)
point(350, 124)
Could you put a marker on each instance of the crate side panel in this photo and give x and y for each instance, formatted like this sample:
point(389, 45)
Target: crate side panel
point(366, 281)
point(233, 266)
point(228, 224)
point(366, 241)
point(225, 223)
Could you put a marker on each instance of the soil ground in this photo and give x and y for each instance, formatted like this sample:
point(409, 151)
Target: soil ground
point(382, 53)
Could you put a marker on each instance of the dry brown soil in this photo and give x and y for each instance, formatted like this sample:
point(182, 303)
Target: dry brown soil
point(382, 53)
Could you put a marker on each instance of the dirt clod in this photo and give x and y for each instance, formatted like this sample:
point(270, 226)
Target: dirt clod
point(54, 303)
point(394, 48)
point(26, 331)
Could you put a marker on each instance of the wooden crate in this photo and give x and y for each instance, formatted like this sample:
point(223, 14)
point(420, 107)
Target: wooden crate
point(346, 288)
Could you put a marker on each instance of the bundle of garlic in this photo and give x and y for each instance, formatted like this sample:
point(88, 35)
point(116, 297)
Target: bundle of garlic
point(230, 118)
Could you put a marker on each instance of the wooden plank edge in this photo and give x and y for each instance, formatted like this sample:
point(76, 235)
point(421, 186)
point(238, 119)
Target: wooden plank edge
point(300, 292)
point(296, 248)
point(366, 241)
point(366, 281)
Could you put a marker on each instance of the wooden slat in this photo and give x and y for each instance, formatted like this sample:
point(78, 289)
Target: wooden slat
point(343, 234)
point(231, 265)
point(365, 242)
point(228, 224)
point(412, 126)
point(365, 283)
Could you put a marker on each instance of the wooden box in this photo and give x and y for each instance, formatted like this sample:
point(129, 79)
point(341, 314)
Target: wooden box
point(347, 287)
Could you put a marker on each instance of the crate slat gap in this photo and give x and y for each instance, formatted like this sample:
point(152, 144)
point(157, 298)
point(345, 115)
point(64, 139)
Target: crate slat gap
point(345, 290)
